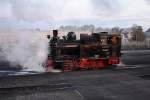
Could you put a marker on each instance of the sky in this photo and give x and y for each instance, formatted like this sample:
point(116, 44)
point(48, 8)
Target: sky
point(47, 14)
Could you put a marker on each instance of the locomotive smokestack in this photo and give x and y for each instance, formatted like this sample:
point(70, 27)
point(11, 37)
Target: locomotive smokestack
point(48, 36)
point(55, 33)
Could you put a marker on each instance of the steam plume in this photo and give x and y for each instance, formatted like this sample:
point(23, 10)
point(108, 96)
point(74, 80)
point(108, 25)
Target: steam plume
point(27, 49)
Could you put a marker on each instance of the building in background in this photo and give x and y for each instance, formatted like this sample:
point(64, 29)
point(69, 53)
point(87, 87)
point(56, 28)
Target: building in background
point(126, 36)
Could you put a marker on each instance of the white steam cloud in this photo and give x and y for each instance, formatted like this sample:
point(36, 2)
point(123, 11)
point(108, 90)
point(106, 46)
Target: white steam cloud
point(75, 12)
point(27, 49)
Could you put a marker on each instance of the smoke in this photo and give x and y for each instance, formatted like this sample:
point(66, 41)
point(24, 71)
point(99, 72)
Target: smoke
point(27, 49)
point(74, 12)
point(31, 10)
point(106, 7)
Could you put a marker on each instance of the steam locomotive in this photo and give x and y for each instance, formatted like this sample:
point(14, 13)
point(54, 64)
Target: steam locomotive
point(94, 51)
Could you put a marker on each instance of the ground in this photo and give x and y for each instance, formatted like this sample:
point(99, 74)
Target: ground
point(118, 84)
point(129, 81)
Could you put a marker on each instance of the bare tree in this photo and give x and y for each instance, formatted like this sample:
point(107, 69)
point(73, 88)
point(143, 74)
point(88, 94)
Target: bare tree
point(116, 30)
point(137, 33)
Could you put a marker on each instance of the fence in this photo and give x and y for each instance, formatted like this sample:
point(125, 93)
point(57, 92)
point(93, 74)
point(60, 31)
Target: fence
point(136, 45)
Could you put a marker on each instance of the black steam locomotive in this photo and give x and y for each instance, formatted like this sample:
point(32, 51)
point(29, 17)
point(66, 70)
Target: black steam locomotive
point(94, 51)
